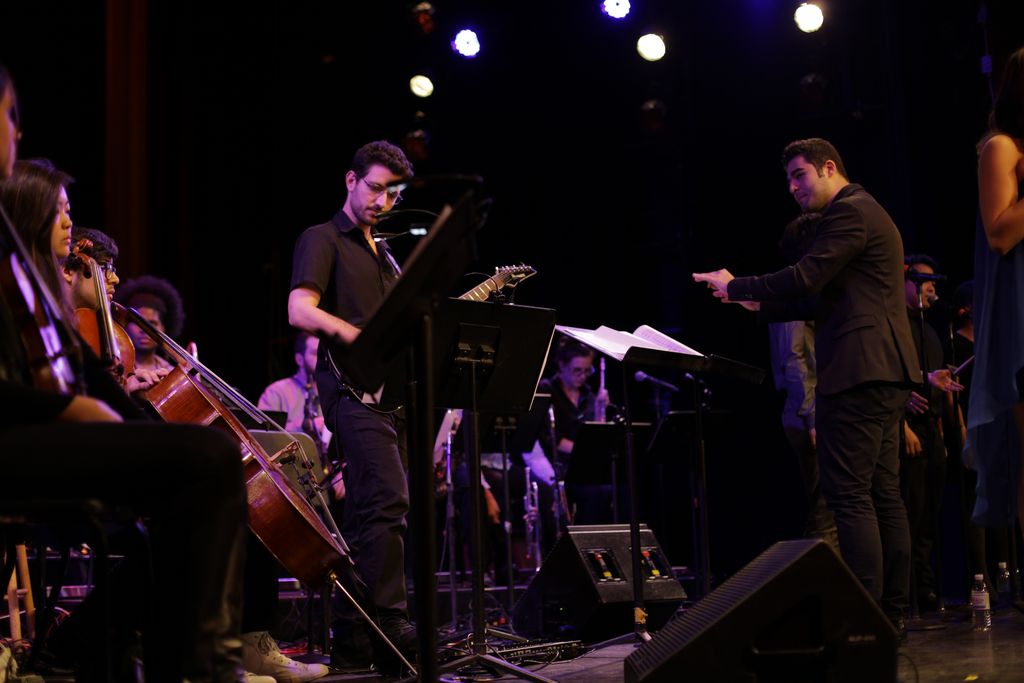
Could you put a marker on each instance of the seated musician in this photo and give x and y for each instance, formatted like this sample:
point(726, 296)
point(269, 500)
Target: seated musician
point(159, 303)
point(68, 446)
point(82, 292)
point(531, 518)
point(573, 401)
point(298, 397)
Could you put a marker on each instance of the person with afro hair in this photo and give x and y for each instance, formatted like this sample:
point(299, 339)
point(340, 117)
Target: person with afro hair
point(159, 303)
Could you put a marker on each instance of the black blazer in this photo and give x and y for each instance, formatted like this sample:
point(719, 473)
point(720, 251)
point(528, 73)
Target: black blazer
point(851, 283)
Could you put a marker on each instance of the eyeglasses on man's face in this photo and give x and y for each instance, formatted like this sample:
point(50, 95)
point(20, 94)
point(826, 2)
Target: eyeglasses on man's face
point(582, 371)
point(376, 189)
point(108, 269)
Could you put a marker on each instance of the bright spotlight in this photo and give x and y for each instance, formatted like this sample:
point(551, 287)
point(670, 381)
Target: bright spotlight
point(421, 86)
point(808, 17)
point(651, 47)
point(466, 43)
point(616, 9)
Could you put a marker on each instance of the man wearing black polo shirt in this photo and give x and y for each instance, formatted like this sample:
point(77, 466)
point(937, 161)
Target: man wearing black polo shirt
point(339, 276)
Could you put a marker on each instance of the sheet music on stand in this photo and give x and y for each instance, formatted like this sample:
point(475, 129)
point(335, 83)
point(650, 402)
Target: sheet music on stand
point(646, 346)
point(616, 343)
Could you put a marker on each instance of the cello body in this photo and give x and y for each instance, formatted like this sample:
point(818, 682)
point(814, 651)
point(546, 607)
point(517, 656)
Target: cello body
point(280, 517)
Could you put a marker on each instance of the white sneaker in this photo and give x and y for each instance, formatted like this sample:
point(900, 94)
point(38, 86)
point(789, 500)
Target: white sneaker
point(261, 656)
point(254, 678)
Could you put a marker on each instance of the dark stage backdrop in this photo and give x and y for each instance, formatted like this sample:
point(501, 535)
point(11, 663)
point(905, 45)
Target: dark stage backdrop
point(247, 117)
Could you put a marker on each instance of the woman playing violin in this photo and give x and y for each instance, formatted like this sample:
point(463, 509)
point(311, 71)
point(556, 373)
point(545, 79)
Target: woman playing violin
point(36, 198)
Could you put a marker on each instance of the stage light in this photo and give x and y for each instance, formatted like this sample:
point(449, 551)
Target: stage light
point(421, 86)
point(616, 9)
point(651, 47)
point(466, 43)
point(423, 16)
point(808, 17)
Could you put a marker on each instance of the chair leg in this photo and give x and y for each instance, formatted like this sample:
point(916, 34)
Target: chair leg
point(26, 580)
point(13, 606)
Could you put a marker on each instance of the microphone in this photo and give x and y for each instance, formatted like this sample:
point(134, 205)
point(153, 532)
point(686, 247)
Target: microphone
point(915, 276)
point(641, 376)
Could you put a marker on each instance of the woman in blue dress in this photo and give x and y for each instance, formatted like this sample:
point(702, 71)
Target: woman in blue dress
point(996, 413)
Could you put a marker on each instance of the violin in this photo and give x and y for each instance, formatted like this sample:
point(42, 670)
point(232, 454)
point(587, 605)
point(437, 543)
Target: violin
point(106, 338)
point(54, 358)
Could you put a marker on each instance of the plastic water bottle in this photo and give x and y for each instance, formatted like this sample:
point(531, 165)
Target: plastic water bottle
point(1003, 586)
point(981, 609)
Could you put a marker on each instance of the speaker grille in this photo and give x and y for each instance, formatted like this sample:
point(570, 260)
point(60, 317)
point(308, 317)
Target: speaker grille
point(729, 620)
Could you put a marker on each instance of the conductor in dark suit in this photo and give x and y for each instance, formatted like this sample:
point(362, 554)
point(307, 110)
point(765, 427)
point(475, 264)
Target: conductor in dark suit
point(850, 283)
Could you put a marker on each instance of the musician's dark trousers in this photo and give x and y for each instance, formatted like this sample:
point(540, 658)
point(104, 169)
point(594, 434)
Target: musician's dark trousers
point(376, 500)
point(858, 452)
point(922, 479)
point(187, 481)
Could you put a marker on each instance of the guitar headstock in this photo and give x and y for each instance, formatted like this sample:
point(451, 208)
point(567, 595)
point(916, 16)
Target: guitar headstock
point(513, 275)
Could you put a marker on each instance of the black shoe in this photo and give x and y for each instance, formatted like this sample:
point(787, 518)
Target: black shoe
point(402, 635)
point(351, 651)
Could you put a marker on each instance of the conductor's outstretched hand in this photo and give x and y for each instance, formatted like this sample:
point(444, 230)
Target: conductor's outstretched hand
point(718, 282)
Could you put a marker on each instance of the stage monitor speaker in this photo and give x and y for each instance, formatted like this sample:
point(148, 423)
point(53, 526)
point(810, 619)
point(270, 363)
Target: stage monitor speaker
point(796, 613)
point(584, 589)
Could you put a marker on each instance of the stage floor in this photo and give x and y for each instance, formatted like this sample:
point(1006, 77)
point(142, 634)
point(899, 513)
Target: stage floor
point(952, 654)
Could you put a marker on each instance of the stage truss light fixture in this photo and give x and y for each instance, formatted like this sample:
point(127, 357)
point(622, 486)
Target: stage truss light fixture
point(616, 9)
point(466, 43)
point(651, 47)
point(808, 17)
point(421, 86)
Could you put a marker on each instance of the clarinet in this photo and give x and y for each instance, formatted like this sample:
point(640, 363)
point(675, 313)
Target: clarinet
point(531, 504)
point(600, 403)
point(309, 418)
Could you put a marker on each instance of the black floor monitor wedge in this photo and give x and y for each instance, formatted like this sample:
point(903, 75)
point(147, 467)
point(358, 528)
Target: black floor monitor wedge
point(796, 613)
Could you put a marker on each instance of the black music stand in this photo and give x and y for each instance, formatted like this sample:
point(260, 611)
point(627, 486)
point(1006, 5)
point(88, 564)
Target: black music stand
point(489, 358)
point(698, 367)
point(596, 457)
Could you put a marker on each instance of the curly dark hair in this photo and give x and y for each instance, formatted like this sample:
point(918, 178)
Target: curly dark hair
point(156, 293)
point(104, 248)
point(817, 151)
point(383, 153)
